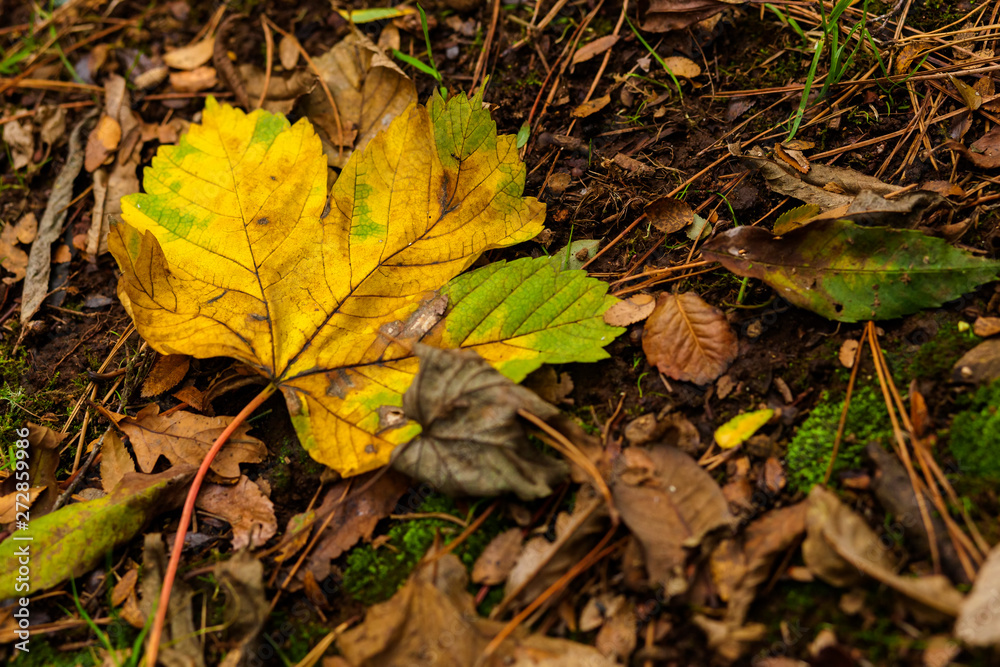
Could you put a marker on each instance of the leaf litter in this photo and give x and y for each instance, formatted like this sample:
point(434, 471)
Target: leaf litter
point(500, 323)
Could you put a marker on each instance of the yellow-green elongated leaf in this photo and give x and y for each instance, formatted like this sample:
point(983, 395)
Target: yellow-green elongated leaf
point(738, 430)
point(70, 541)
point(846, 272)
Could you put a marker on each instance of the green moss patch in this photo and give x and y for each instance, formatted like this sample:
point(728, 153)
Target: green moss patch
point(374, 575)
point(810, 450)
point(975, 434)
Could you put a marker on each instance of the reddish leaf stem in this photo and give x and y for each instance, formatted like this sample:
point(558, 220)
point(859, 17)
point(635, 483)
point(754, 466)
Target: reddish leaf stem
point(175, 554)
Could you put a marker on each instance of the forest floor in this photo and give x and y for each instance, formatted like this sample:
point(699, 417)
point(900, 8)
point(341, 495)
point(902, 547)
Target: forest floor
point(637, 127)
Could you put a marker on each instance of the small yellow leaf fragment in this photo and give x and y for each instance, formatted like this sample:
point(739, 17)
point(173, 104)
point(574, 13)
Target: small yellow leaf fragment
point(737, 430)
point(973, 100)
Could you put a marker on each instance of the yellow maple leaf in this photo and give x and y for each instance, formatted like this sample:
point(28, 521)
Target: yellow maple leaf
point(235, 251)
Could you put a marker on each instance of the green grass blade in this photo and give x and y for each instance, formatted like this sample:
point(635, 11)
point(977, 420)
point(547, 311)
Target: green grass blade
point(658, 59)
point(419, 64)
point(805, 90)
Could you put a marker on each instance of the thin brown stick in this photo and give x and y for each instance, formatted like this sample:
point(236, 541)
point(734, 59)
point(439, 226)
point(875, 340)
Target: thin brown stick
point(467, 531)
point(858, 355)
point(163, 605)
point(477, 73)
point(881, 370)
point(268, 61)
point(322, 83)
point(565, 446)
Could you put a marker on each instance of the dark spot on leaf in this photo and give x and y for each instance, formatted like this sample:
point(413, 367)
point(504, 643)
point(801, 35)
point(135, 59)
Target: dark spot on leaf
point(263, 221)
point(258, 318)
point(340, 383)
point(216, 298)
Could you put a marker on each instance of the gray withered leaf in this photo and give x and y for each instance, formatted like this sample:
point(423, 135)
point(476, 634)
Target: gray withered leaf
point(473, 441)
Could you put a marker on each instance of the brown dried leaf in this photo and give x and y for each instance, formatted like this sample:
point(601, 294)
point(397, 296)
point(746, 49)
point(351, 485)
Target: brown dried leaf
point(943, 188)
point(631, 164)
point(980, 365)
point(617, 639)
point(473, 441)
point(111, 186)
point(550, 386)
point(841, 549)
point(192, 56)
point(740, 564)
point(180, 636)
point(102, 141)
point(559, 182)
point(245, 507)
point(682, 67)
point(973, 100)
point(984, 151)
point(193, 397)
point(354, 516)
point(593, 48)
point(628, 311)
point(201, 78)
point(670, 504)
point(687, 339)
point(542, 561)
point(794, 158)
point(827, 186)
point(283, 88)
point(184, 437)
point(125, 586)
point(19, 138)
point(369, 90)
point(894, 491)
point(667, 15)
point(116, 462)
point(977, 618)
point(432, 622)
point(669, 215)
point(498, 558)
point(246, 607)
point(12, 257)
point(14, 502)
point(590, 107)
point(798, 145)
point(847, 353)
point(167, 371)
point(907, 55)
point(62, 254)
point(288, 51)
point(984, 327)
point(43, 445)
